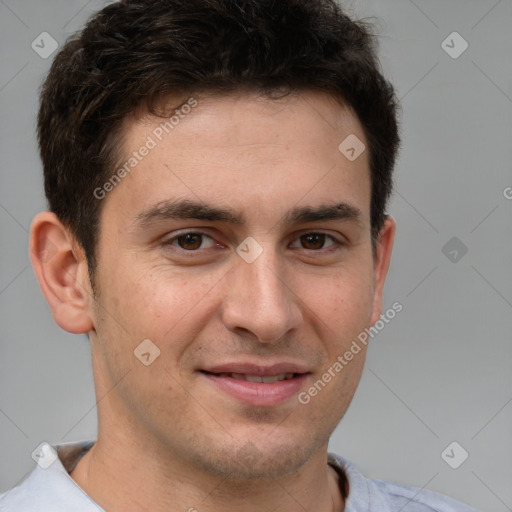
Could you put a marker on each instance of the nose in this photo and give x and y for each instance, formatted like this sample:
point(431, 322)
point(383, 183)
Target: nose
point(260, 299)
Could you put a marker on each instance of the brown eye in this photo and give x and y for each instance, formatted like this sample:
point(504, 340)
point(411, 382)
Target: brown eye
point(313, 241)
point(316, 241)
point(190, 241)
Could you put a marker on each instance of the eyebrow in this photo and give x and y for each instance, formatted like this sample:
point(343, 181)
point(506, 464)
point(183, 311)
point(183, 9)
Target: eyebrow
point(187, 209)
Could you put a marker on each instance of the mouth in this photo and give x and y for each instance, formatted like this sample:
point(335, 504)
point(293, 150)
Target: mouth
point(257, 385)
point(266, 379)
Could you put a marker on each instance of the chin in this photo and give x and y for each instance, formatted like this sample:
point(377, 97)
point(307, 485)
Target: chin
point(252, 461)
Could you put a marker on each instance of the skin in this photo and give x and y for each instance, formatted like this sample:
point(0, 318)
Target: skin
point(169, 439)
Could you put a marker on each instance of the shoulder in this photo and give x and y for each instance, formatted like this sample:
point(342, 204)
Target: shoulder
point(381, 496)
point(48, 487)
point(415, 499)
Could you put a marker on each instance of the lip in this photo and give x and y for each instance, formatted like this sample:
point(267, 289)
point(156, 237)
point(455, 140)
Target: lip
point(258, 394)
point(256, 369)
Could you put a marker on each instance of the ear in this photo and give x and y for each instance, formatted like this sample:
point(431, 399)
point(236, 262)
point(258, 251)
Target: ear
point(61, 269)
point(381, 261)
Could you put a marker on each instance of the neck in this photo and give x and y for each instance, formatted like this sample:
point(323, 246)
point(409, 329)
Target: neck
point(130, 470)
point(131, 476)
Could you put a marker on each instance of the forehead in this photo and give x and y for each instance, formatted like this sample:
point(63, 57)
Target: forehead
point(245, 118)
point(239, 149)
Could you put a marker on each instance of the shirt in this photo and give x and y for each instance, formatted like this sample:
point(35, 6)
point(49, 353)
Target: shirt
point(49, 488)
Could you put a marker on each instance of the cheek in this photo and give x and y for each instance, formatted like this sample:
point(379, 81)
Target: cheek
point(343, 298)
point(159, 303)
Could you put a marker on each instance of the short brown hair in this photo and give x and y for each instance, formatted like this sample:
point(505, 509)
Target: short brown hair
point(133, 53)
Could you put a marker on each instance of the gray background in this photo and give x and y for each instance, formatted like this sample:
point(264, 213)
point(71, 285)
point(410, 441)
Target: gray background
point(439, 372)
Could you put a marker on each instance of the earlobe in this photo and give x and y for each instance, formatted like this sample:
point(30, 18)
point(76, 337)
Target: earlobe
point(382, 259)
point(61, 269)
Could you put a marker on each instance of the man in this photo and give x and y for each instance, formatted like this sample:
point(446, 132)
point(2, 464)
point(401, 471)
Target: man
point(195, 155)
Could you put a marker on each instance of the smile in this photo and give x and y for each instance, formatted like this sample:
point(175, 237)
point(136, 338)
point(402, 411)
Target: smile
point(267, 379)
point(257, 385)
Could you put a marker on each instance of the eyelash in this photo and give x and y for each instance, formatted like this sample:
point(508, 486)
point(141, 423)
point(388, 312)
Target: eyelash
point(170, 242)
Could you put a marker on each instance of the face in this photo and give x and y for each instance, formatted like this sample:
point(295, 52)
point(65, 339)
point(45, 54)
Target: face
point(240, 246)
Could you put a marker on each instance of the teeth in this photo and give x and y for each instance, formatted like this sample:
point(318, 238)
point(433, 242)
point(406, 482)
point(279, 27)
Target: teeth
point(268, 379)
point(252, 378)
